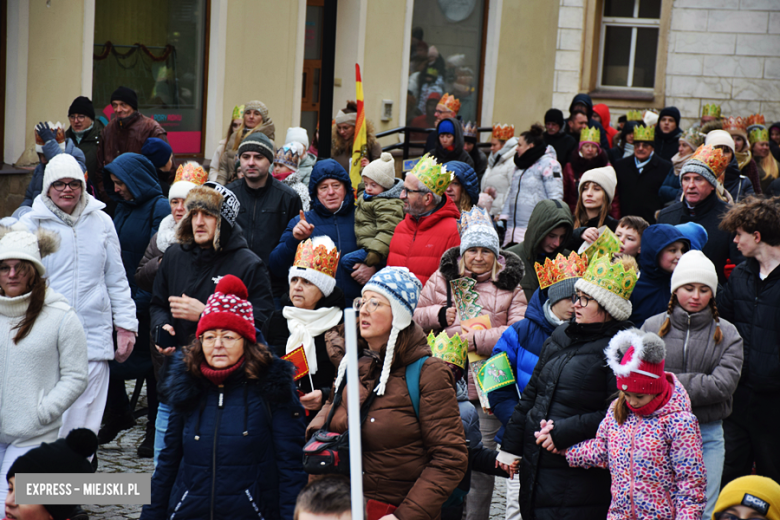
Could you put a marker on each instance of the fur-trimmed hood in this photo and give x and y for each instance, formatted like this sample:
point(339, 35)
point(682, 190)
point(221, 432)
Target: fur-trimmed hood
point(394, 192)
point(339, 146)
point(508, 278)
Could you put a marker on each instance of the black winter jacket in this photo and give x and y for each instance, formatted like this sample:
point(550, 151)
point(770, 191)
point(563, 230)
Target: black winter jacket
point(639, 192)
point(666, 145)
point(89, 146)
point(573, 386)
point(753, 306)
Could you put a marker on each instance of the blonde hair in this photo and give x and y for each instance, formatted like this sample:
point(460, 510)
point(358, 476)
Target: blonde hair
point(493, 273)
point(581, 214)
point(769, 165)
point(621, 408)
point(666, 326)
point(465, 203)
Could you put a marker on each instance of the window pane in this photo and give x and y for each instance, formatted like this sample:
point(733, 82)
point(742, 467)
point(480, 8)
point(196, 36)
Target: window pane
point(620, 8)
point(313, 38)
point(644, 58)
point(617, 50)
point(649, 8)
point(167, 75)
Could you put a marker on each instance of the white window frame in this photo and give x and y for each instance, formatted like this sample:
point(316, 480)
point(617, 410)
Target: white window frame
point(634, 23)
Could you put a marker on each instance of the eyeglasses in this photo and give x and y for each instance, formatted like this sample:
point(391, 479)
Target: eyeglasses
point(371, 305)
point(77, 117)
point(60, 186)
point(408, 191)
point(6, 269)
point(642, 144)
point(584, 300)
point(228, 340)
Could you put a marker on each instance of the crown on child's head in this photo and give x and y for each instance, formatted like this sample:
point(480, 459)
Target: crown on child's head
point(238, 112)
point(560, 269)
point(453, 349)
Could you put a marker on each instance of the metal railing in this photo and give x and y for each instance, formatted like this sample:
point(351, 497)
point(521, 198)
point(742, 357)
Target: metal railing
point(407, 143)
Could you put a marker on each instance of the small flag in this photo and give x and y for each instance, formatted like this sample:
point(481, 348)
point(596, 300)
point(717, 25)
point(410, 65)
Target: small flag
point(360, 143)
point(496, 373)
point(298, 358)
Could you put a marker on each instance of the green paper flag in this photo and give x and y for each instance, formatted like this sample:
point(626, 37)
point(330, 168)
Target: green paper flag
point(496, 373)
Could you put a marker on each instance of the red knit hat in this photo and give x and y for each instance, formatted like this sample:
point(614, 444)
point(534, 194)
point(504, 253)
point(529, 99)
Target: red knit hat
point(229, 309)
point(637, 359)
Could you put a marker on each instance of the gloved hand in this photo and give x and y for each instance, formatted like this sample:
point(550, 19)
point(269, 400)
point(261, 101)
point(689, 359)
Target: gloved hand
point(44, 132)
point(125, 341)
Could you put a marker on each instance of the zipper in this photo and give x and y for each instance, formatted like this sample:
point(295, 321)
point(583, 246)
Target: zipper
point(220, 406)
point(254, 505)
point(671, 503)
point(685, 345)
point(254, 214)
point(631, 471)
point(181, 501)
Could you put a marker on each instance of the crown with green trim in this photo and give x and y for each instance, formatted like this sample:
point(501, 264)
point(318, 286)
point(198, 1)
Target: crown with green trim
point(434, 175)
point(711, 109)
point(590, 135)
point(606, 244)
point(453, 349)
point(633, 115)
point(693, 137)
point(644, 134)
point(611, 277)
point(238, 112)
point(758, 134)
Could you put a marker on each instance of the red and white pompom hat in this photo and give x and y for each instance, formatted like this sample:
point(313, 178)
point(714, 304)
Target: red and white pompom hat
point(229, 309)
point(637, 359)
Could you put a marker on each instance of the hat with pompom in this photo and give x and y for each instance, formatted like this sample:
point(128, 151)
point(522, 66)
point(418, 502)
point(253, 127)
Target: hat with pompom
point(381, 171)
point(17, 243)
point(228, 309)
point(637, 359)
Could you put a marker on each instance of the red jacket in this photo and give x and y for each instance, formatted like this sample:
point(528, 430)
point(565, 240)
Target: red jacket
point(418, 244)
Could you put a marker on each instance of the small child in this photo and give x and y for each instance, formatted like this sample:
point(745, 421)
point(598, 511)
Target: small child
point(378, 211)
point(327, 498)
point(286, 163)
point(752, 496)
point(649, 440)
point(629, 231)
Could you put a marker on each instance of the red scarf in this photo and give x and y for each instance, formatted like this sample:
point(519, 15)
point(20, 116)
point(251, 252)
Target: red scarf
point(657, 403)
point(218, 375)
point(281, 176)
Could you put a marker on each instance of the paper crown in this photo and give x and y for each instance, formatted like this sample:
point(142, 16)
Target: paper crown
point(450, 102)
point(758, 134)
point(434, 175)
point(590, 135)
point(238, 111)
point(711, 109)
point(503, 132)
point(755, 119)
point(193, 173)
point(320, 257)
point(713, 158)
point(693, 137)
point(432, 71)
point(732, 123)
point(644, 134)
point(452, 350)
point(611, 277)
point(59, 135)
point(470, 129)
point(560, 269)
point(476, 216)
point(288, 155)
point(606, 244)
point(633, 115)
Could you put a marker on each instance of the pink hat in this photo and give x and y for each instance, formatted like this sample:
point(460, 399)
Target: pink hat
point(637, 359)
point(229, 309)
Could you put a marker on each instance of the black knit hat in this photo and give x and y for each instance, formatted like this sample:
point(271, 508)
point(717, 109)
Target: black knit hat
point(126, 95)
point(257, 142)
point(554, 116)
point(82, 105)
point(670, 111)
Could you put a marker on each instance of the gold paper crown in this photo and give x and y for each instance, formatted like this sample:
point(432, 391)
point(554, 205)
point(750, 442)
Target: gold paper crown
point(633, 115)
point(238, 111)
point(712, 158)
point(190, 172)
point(758, 134)
point(611, 277)
point(644, 134)
point(711, 109)
point(452, 350)
point(756, 119)
point(503, 132)
point(434, 175)
point(476, 216)
point(470, 129)
point(606, 244)
point(591, 135)
point(693, 137)
point(450, 102)
point(320, 257)
point(560, 269)
point(734, 124)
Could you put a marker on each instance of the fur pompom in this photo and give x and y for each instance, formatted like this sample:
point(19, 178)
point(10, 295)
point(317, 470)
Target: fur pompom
point(654, 348)
point(618, 346)
point(48, 241)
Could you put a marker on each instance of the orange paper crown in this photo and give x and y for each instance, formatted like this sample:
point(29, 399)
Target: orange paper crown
point(711, 157)
point(732, 123)
point(319, 258)
point(503, 132)
point(560, 269)
point(193, 173)
point(450, 102)
point(756, 119)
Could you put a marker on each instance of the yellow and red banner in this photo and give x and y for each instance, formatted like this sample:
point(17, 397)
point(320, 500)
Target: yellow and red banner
point(360, 143)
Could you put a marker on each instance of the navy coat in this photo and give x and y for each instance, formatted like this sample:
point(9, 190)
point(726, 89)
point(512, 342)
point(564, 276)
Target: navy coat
point(243, 459)
point(137, 220)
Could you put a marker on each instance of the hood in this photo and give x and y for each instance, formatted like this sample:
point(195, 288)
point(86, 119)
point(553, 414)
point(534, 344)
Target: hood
point(138, 173)
point(394, 192)
point(457, 143)
point(504, 154)
point(603, 111)
point(547, 215)
point(330, 169)
point(585, 99)
point(72, 149)
point(654, 240)
point(508, 278)
point(695, 233)
point(467, 177)
point(535, 311)
point(679, 402)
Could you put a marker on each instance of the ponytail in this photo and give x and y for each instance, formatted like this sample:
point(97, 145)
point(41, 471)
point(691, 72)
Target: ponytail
point(666, 326)
point(621, 408)
point(718, 336)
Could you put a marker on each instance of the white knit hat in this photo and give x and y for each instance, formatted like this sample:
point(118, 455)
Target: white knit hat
point(604, 177)
point(695, 267)
point(297, 134)
point(616, 306)
point(63, 166)
point(381, 171)
point(180, 189)
point(318, 267)
point(720, 137)
point(19, 244)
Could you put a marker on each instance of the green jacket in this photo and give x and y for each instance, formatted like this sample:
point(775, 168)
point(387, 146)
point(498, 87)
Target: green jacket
point(89, 145)
point(547, 215)
point(375, 221)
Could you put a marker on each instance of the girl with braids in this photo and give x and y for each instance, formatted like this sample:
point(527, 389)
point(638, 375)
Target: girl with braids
point(705, 352)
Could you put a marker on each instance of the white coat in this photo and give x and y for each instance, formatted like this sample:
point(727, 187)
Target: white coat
point(499, 174)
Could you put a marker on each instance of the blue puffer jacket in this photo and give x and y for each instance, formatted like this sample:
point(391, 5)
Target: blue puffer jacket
point(467, 177)
point(339, 226)
point(50, 150)
point(653, 289)
point(137, 220)
point(243, 459)
point(522, 343)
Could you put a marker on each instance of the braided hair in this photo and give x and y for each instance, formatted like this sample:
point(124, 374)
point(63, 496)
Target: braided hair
point(666, 326)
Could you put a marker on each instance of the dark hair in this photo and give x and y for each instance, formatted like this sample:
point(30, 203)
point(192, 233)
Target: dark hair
point(38, 295)
point(257, 358)
point(634, 222)
point(328, 495)
point(755, 214)
point(622, 119)
point(351, 107)
point(535, 135)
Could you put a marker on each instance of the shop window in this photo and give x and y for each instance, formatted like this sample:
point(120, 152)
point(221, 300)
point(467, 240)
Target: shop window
point(157, 48)
point(629, 44)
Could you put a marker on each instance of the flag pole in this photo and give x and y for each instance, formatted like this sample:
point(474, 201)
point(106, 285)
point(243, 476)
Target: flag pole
point(311, 382)
point(353, 415)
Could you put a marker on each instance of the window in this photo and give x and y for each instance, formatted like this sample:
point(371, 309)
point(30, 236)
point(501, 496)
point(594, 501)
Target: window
point(157, 48)
point(629, 43)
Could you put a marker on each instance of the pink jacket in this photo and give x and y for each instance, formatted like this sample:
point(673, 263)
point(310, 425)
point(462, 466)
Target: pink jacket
point(503, 300)
point(655, 461)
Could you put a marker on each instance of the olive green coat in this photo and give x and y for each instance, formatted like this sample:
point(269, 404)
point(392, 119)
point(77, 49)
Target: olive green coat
point(375, 222)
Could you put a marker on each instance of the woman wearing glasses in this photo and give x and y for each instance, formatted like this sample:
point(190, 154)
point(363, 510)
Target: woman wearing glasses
point(234, 444)
point(566, 399)
point(412, 458)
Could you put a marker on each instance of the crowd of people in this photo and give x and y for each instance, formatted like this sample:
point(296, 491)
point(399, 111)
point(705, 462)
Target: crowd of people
point(628, 274)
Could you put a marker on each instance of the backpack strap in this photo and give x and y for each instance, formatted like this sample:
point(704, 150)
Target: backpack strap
point(413, 382)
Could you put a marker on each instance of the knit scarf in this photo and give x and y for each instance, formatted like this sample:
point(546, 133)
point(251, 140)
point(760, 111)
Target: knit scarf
point(657, 403)
point(529, 157)
point(72, 219)
point(218, 375)
point(678, 161)
point(743, 158)
point(282, 176)
point(305, 325)
point(80, 135)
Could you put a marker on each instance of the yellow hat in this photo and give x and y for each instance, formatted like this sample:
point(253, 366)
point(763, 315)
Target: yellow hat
point(759, 493)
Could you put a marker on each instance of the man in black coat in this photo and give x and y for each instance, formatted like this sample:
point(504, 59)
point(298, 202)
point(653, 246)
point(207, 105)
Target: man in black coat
point(267, 205)
point(751, 301)
point(561, 141)
point(641, 176)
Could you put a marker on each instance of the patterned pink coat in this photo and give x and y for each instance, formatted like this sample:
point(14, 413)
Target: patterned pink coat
point(655, 461)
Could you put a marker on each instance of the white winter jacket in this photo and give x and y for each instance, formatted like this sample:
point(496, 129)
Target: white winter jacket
point(499, 174)
point(88, 271)
point(43, 374)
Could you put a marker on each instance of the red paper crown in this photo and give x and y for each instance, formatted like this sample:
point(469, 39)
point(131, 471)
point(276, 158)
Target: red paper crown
point(503, 132)
point(734, 123)
point(318, 258)
point(560, 269)
point(756, 119)
point(450, 102)
point(713, 158)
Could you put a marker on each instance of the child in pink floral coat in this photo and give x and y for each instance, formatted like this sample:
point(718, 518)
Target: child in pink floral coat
point(649, 440)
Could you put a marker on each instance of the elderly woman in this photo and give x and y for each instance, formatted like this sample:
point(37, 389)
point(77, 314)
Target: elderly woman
point(412, 461)
point(343, 137)
point(497, 274)
point(43, 348)
point(313, 308)
point(571, 387)
point(255, 119)
point(234, 442)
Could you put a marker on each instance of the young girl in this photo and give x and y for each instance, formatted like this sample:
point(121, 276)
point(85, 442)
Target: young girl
point(586, 156)
point(705, 353)
point(594, 204)
point(649, 440)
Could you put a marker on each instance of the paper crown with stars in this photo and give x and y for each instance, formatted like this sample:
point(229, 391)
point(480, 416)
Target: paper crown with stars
point(434, 175)
point(453, 349)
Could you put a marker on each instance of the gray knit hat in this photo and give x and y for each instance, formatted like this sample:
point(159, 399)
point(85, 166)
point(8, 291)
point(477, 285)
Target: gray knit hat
point(476, 230)
point(562, 290)
point(257, 142)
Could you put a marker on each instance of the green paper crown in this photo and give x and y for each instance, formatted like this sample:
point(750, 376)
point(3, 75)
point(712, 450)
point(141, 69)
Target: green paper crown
point(633, 115)
point(592, 135)
point(710, 110)
point(606, 244)
point(758, 134)
point(644, 134)
point(611, 277)
point(434, 175)
point(238, 112)
point(452, 350)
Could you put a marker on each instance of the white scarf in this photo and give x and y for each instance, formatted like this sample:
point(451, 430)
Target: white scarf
point(305, 325)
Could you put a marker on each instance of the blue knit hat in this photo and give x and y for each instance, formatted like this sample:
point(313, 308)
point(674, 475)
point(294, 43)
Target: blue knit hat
point(467, 178)
point(157, 151)
point(446, 127)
